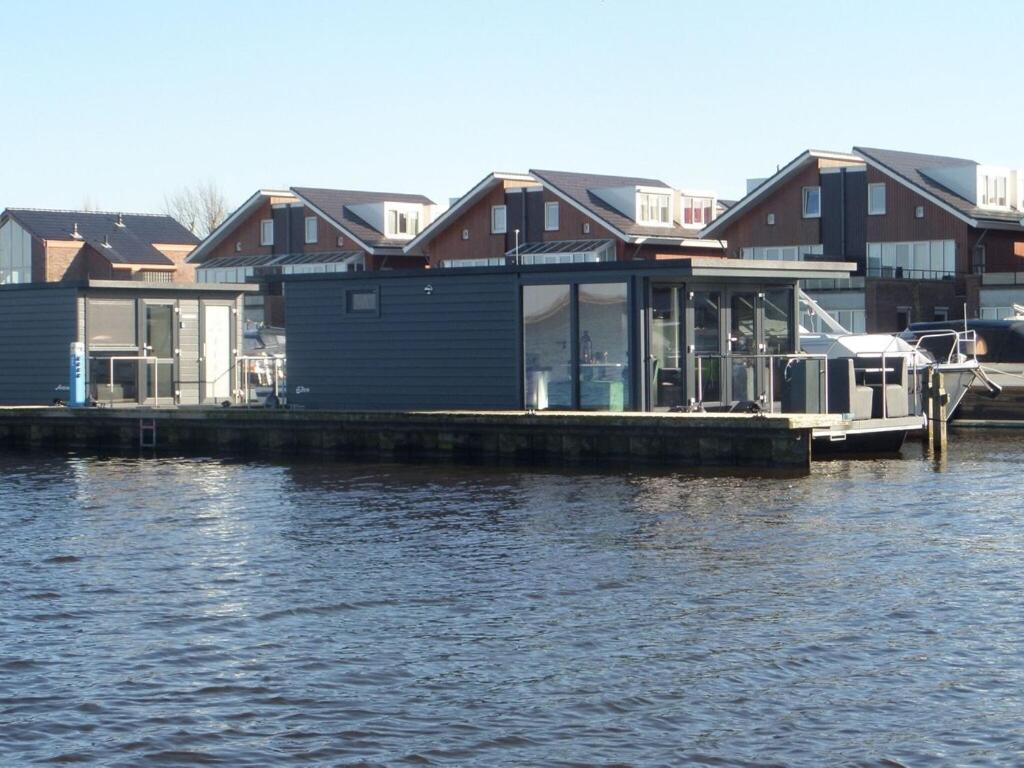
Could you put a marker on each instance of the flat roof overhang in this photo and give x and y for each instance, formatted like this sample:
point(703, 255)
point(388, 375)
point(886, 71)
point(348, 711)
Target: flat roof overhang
point(136, 286)
point(686, 266)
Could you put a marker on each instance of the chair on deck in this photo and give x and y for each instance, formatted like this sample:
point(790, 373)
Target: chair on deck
point(845, 395)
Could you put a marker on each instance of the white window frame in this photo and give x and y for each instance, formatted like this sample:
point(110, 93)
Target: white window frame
point(874, 210)
point(651, 205)
point(310, 239)
point(266, 225)
point(499, 228)
point(804, 195)
point(551, 216)
point(697, 214)
point(412, 221)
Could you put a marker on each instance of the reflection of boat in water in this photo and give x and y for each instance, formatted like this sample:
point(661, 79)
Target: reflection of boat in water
point(879, 379)
point(263, 363)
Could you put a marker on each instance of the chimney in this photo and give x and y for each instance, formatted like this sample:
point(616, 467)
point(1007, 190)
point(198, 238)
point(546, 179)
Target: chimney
point(106, 241)
point(74, 231)
point(120, 221)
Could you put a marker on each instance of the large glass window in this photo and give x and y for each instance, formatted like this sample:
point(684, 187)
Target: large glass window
point(110, 323)
point(404, 223)
point(744, 346)
point(707, 344)
point(667, 343)
point(112, 380)
point(604, 347)
point(547, 346)
point(778, 336)
point(267, 232)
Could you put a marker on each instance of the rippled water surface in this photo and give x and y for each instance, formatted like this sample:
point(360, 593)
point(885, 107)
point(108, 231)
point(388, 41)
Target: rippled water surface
point(195, 611)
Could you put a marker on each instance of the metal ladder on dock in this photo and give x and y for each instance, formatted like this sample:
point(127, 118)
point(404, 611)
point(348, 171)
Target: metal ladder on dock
point(147, 433)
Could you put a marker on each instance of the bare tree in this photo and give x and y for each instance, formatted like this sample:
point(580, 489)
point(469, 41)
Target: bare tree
point(88, 205)
point(200, 208)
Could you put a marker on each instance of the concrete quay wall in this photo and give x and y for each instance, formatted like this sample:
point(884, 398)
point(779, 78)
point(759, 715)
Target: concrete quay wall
point(680, 440)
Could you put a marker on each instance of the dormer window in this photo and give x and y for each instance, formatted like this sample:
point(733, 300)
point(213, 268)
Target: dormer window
point(403, 223)
point(696, 211)
point(653, 208)
point(993, 191)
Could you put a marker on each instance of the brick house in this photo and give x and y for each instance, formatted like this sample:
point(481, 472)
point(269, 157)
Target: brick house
point(922, 230)
point(309, 230)
point(45, 246)
point(547, 217)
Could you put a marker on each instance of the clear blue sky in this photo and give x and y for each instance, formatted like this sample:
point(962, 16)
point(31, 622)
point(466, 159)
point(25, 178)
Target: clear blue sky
point(120, 103)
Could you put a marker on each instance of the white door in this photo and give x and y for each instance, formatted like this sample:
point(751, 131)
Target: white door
point(217, 352)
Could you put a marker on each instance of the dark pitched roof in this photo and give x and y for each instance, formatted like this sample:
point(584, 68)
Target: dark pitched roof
point(577, 187)
point(736, 209)
point(128, 244)
point(335, 205)
point(912, 167)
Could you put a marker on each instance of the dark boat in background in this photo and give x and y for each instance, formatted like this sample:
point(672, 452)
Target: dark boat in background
point(999, 348)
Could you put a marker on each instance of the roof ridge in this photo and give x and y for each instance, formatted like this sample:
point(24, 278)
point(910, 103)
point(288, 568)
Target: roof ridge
point(91, 213)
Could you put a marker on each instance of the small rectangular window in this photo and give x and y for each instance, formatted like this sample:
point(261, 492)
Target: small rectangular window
point(550, 217)
point(267, 232)
point(812, 202)
point(876, 199)
point(361, 302)
point(311, 234)
point(499, 216)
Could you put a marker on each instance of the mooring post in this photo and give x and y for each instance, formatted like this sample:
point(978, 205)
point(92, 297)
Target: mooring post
point(926, 401)
point(941, 399)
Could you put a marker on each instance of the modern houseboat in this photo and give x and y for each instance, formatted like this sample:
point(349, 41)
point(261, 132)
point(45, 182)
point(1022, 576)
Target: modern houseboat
point(682, 334)
point(132, 343)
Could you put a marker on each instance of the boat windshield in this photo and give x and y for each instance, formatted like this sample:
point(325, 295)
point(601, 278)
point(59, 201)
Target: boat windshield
point(814, 319)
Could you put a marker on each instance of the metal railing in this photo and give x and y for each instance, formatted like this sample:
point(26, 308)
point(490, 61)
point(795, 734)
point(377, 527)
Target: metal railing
point(156, 362)
point(268, 369)
point(766, 397)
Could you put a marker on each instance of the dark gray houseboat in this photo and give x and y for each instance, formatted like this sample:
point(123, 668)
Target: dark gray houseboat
point(682, 334)
point(135, 343)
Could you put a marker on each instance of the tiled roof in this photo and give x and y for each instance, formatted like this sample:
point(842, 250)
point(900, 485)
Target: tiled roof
point(912, 167)
point(128, 244)
point(578, 186)
point(335, 204)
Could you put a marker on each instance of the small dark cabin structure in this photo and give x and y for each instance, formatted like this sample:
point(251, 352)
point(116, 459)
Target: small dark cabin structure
point(636, 336)
point(143, 343)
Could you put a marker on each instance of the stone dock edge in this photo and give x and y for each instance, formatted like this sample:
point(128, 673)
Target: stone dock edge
point(663, 439)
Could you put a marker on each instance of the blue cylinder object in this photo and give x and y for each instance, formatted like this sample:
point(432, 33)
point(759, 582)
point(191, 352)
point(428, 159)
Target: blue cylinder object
point(76, 393)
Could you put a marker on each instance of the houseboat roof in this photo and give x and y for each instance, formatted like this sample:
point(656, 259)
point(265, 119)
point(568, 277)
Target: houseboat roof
point(685, 266)
point(135, 286)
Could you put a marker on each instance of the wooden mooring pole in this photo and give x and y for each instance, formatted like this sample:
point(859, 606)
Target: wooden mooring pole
point(936, 401)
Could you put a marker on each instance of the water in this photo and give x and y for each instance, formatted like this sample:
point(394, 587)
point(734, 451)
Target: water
point(203, 612)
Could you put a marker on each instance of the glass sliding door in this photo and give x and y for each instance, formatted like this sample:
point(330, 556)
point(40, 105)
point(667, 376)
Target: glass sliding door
point(603, 344)
point(667, 346)
point(547, 346)
point(707, 345)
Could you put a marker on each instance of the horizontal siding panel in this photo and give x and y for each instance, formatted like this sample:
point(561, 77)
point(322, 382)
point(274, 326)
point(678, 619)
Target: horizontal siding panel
point(456, 347)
